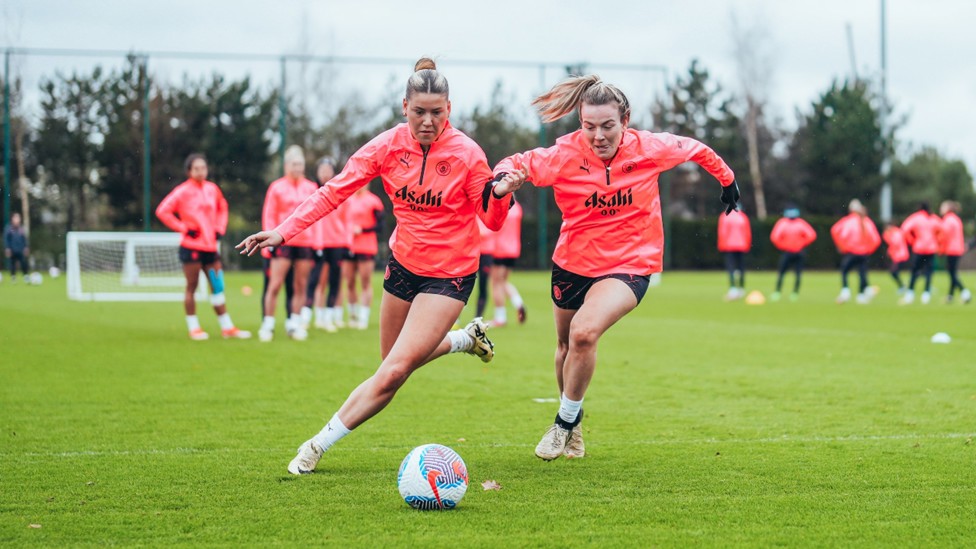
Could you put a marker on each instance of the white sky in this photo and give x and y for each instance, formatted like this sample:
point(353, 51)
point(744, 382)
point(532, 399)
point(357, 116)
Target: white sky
point(931, 46)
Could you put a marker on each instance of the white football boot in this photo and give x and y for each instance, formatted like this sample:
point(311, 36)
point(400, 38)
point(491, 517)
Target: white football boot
point(308, 457)
point(574, 446)
point(483, 347)
point(553, 443)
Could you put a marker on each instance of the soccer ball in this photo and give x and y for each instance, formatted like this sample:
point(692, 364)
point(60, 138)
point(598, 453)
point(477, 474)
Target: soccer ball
point(432, 477)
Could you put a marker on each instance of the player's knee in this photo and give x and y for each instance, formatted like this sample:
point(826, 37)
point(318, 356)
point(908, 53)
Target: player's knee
point(391, 377)
point(583, 336)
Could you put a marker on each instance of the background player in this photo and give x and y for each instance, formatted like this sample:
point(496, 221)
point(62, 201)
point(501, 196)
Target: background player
point(197, 209)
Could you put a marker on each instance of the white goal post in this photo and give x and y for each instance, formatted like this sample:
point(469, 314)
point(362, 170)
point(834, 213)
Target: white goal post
point(127, 266)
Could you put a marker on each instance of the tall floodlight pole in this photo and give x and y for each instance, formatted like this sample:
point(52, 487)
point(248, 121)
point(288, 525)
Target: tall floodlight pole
point(282, 113)
point(885, 141)
point(6, 138)
point(146, 147)
point(543, 206)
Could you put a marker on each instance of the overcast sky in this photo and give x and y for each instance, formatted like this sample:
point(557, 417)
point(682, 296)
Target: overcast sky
point(931, 46)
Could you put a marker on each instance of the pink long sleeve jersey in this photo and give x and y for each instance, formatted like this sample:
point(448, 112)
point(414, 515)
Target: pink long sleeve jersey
point(195, 206)
point(612, 210)
point(436, 195)
point(283, 196)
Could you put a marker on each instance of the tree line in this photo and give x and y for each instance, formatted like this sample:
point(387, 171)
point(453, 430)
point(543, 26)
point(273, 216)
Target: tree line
point(79, 158)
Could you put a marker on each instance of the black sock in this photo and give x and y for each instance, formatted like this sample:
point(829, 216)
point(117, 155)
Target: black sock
point(569, 426)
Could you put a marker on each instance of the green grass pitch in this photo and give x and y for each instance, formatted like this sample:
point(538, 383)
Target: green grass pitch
point(707, 424)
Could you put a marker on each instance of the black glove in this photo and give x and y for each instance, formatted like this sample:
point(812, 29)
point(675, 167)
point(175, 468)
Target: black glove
point(730, 196)
point(192, 233)
point(218, 235)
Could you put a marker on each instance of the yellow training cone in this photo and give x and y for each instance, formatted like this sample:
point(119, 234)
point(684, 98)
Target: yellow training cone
point(755, 297)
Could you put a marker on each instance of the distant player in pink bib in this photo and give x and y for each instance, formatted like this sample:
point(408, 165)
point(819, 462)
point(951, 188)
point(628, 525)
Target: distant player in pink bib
point(791, 235)
point(856, 238)
point(604, 179)
point(897, 252)
point(197, 209)
point(298, 256)
point(508, 248)
point(953, 247)
point(365, 221)
point(923, 232)
point(735, 241)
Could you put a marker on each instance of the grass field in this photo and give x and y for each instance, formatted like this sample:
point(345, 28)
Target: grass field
point(707, 424)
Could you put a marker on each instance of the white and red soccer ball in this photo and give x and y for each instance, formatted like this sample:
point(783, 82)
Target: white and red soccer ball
point(432, 477)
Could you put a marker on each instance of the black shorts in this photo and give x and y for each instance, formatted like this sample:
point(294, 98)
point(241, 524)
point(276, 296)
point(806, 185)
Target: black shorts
point(569, 289)
point(293, 252)
point(196, 256)
point(363, 257)
point(505, 261)
point(404, 284)
point(485, 262)
point(332, 256)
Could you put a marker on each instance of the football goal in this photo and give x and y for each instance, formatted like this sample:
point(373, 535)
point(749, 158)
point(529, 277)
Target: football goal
point(126, 266)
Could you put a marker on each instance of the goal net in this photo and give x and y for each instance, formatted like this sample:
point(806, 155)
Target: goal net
point(126, 266)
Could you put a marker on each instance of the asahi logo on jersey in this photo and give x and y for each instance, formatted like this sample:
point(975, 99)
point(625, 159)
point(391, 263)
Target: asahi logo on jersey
point(418, 201)
point(615, 200)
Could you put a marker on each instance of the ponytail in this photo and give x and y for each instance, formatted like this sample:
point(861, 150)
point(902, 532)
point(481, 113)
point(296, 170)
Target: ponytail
point(569, 95)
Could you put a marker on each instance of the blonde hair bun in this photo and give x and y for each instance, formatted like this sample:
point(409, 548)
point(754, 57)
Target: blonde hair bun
point(425, 63)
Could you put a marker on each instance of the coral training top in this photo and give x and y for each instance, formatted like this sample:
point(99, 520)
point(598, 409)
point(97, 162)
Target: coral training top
point(195, 206)
point(509, 243)
point(953, 240)
point(854, 234)
point(734, 232)
point(922, 231)
point(792, 235)
point(897, 247)
point(335, 229)
point(436, 194)
point(489, 239)
point(283, 196)
point(365, 211)
point(612, 210)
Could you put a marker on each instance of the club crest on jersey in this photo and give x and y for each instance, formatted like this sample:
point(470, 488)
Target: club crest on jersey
point(443, 168)
point(629, 166)
point(418, 201)
point(615, 200)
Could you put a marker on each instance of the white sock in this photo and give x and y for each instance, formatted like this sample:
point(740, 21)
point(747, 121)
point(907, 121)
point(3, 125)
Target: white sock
point(321, 314)
point(333, 431)
point(569, 409)
point(364, 314)
point(294, 321)
point(514, 295)
point(225, 322)
point(337, 314)
point(192, 322)
point(460, 341)
point(268, 323)
point(501, 315)
point(306, 314)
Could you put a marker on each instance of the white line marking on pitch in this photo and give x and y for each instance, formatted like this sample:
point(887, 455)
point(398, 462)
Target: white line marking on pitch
point(766, 440)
